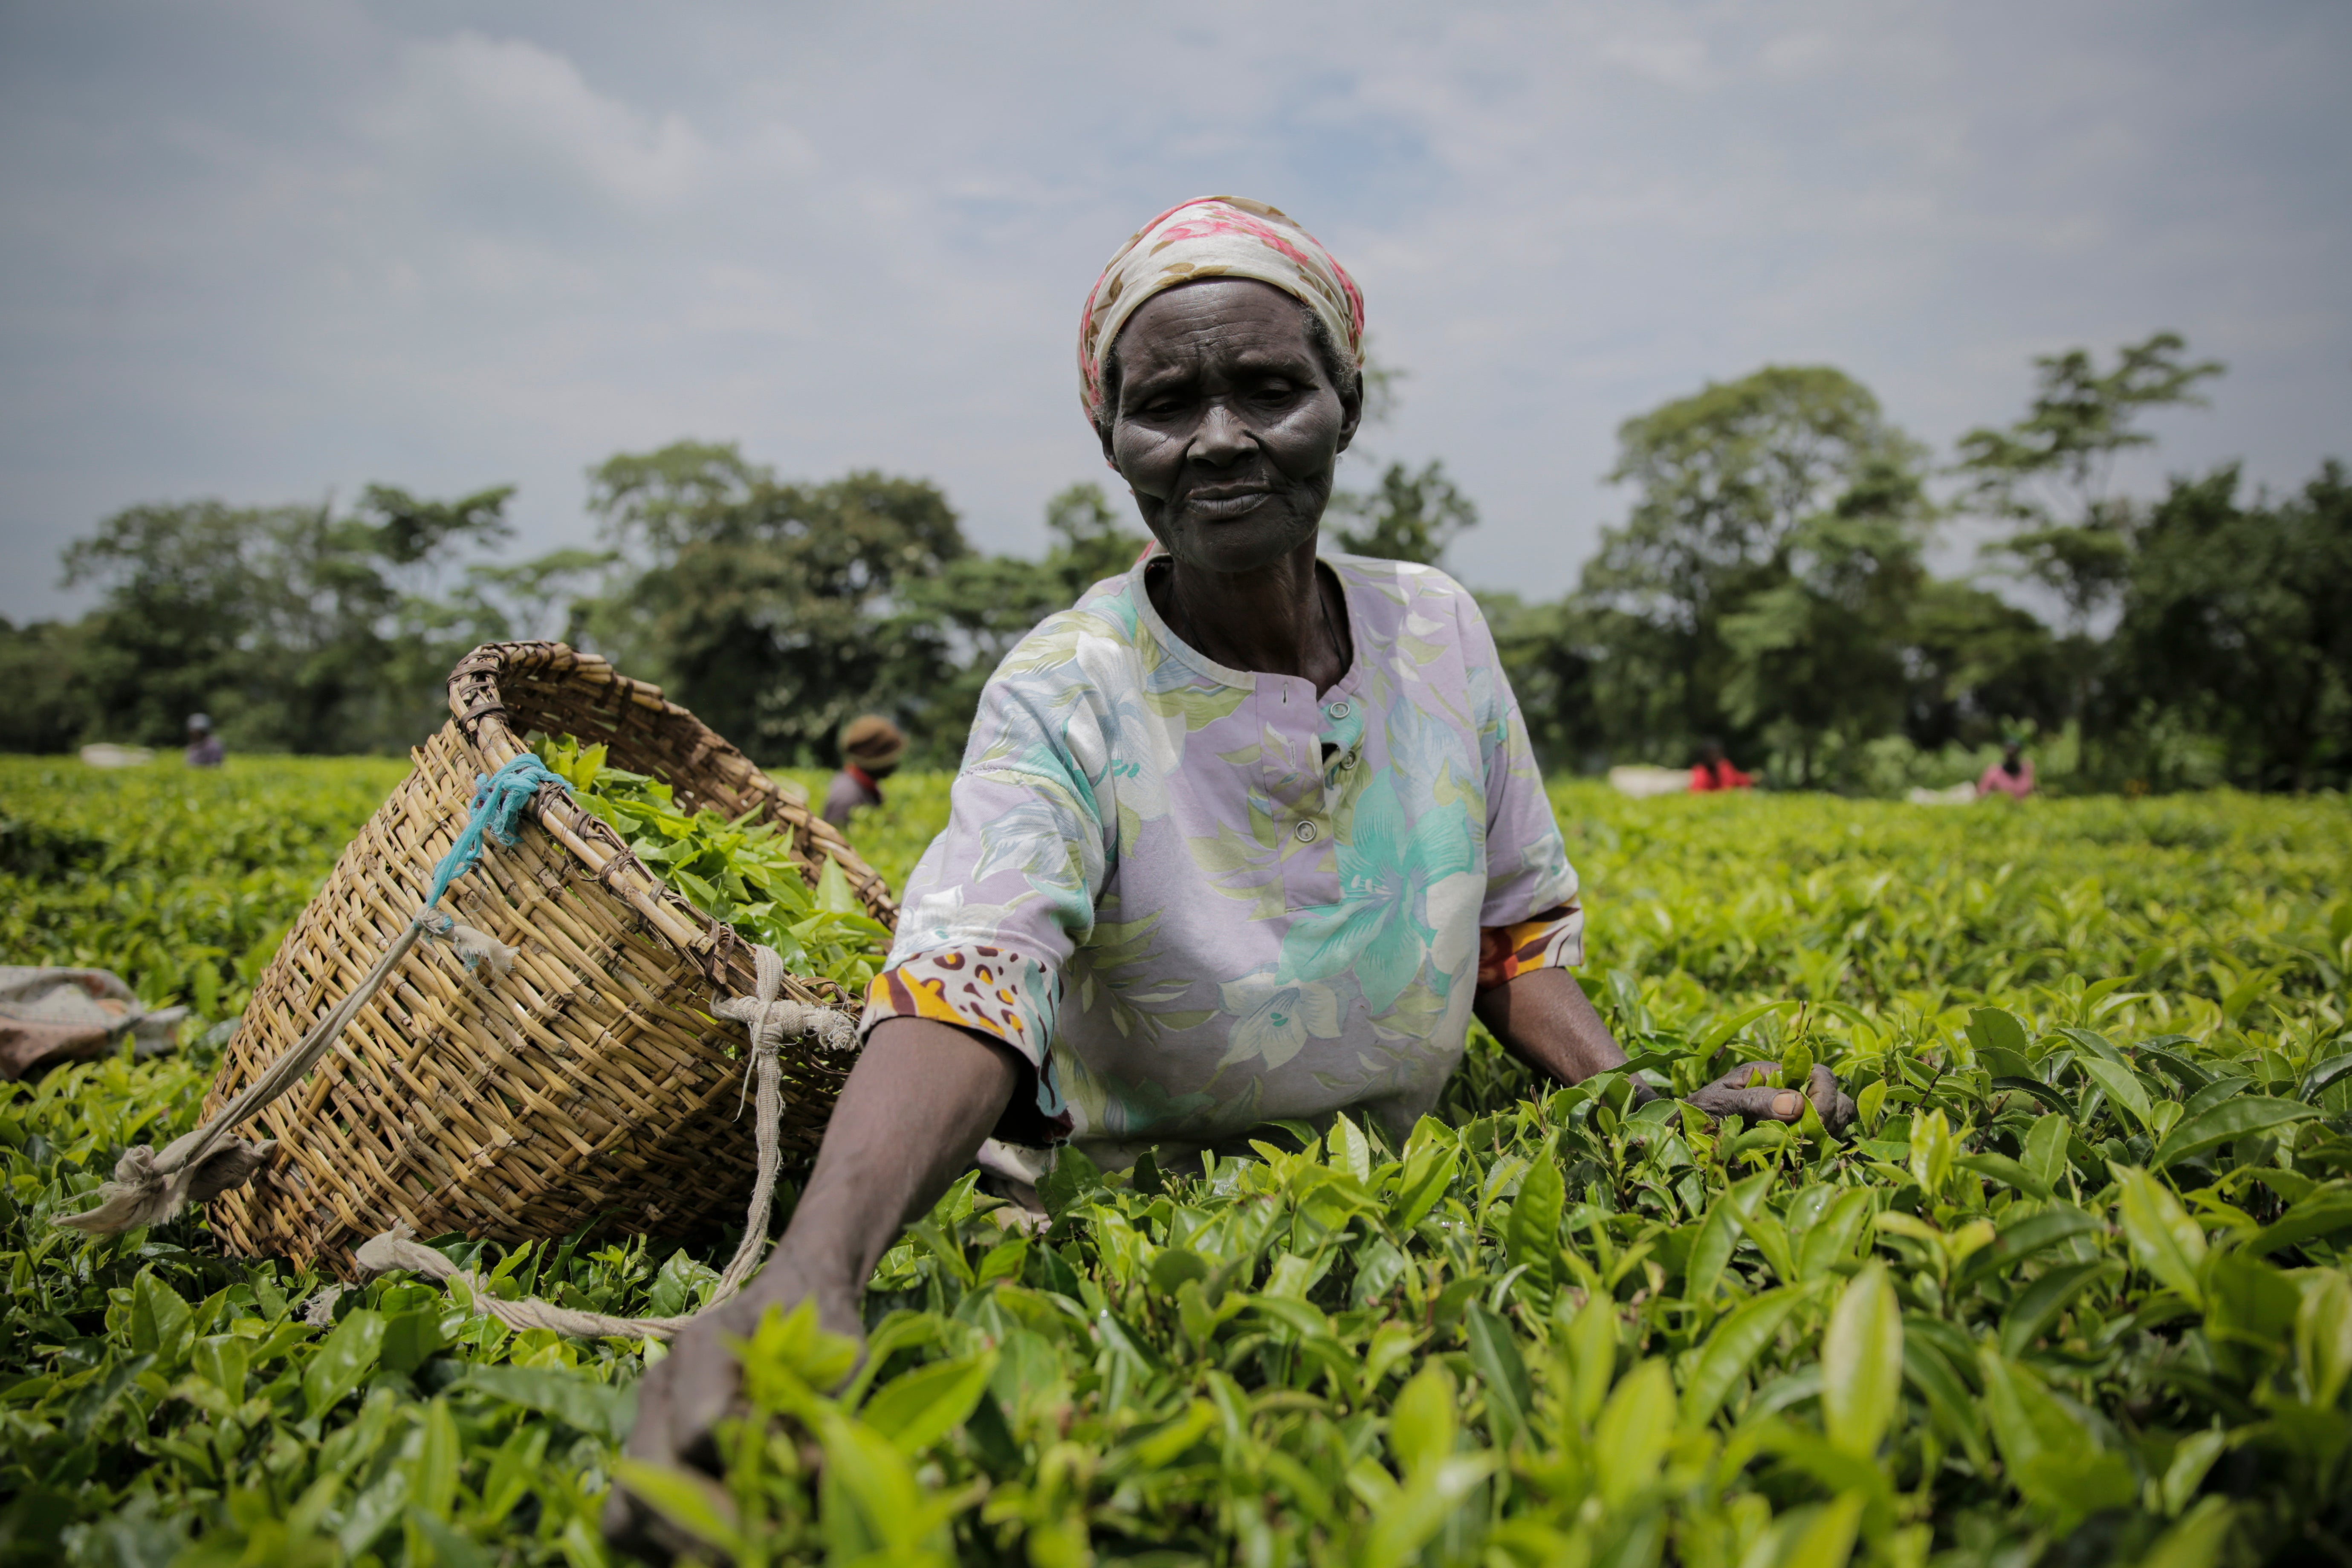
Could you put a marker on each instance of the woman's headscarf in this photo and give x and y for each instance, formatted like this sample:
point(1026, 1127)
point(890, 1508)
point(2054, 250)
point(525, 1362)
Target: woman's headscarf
point(1215, 237)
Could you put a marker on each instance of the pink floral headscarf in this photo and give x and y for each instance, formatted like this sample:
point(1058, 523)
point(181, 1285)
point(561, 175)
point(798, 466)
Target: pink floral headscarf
point(1215, 237)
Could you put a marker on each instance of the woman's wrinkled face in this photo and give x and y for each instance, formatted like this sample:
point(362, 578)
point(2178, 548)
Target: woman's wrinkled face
point(1228, 427)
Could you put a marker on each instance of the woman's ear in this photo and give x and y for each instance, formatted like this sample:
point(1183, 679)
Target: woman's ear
point(1102, 431)
point(1351, 408)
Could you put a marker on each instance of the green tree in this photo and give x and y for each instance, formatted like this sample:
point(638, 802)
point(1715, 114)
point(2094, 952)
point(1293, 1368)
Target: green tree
point(1980, 665)
point(1086, 541)
point(985, 604)
point(2238, 619)
point(772, 609)
point(1772, 546)
point(297, 626)
point(1817, 645)
point(2047, 474)
point(1553, 656)
point(40, 669)
point(1413, 516)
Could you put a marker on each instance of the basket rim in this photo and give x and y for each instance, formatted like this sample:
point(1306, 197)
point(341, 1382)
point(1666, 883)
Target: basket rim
point(480, 711)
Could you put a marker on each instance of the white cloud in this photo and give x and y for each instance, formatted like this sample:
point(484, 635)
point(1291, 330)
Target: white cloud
point(267, 250)
point(468, 106)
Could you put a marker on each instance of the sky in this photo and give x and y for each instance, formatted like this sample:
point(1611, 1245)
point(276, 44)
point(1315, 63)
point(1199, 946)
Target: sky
point(272, 252)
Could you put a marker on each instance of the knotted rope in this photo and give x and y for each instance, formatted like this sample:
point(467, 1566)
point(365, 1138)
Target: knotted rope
point(771, 1019)
point(151, 1185)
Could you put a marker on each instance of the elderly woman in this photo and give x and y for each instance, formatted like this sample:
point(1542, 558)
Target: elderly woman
point(1250, 832)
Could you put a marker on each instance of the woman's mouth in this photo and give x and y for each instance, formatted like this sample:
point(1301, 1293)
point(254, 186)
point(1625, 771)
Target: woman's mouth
point(1224, 505)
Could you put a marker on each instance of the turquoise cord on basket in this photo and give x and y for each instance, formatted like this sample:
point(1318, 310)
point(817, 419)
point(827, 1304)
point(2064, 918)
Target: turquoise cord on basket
point(499, 801)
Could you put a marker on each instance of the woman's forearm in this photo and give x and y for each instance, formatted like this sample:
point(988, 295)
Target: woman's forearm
point(921, 1098)
point(1544, 1019)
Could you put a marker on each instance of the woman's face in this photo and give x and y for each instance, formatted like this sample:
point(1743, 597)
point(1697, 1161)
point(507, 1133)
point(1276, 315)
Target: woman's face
point(1228, 429)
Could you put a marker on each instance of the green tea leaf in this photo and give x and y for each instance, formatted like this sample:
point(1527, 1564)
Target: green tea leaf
point(1427, 1177)
point(834, 894)
point(344, 1361)
point(433, 1473)
point(412, 1338)
point(1532, 1232)
point(2051, 1456)
point(1995, 1029)
point(160, 1323)
point(1732, 1348)
point(1421, 1423)
point(2196, 1541)
point(685, 1499)
point(1826, 1538)
point(2123, 1087)
point(1351, 1150)
point(1830, 1243)
point(2008, 1173)
point(2039, 1303)
point(1629, 1440)
point(2046, 1150)
point(1496, 1358)
point(919, 1407)
point(2165, 1241)
point(2322, 1337)
point(2226, 1123)
point(1932, 1152)
point(1592, 1355)
point(598, 1408)
point(1862, 1362)
point(1715, 1034)
point(2019, 1235)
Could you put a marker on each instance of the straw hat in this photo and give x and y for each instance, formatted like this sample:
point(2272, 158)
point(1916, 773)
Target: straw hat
point(872, 741)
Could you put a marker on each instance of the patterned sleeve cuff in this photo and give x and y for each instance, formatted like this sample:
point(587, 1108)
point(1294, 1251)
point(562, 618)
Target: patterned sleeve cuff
point(1552, 939)
point(979, 989)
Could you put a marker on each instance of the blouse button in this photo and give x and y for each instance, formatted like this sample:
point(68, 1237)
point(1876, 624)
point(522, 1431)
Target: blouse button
point(1307, 833)
point(1339, 710)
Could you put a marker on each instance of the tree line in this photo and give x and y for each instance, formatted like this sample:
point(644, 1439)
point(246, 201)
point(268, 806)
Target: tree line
point(1768, 588)
point(1771, 589)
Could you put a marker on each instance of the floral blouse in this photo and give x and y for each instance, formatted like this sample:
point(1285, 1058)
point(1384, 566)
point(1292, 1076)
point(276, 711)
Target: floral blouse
point(1196, 898)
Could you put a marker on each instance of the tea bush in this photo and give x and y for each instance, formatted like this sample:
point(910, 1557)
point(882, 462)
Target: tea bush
point(2076, 1293)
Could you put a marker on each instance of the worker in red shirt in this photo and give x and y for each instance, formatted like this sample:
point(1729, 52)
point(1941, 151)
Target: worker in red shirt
point(1715, 771)
point(2013, 775)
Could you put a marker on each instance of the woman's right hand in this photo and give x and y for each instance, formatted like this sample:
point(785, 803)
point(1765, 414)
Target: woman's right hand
point(699, 1382)
point(916, 1105)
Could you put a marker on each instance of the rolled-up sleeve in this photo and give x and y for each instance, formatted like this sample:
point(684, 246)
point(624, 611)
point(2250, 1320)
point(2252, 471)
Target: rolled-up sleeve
point(1531, 918)
point(1004, 894)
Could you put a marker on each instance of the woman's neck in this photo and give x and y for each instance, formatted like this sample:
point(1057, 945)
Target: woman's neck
point(1281, 620)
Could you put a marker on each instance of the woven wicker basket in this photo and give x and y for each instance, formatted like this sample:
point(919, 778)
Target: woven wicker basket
point(587, 1087)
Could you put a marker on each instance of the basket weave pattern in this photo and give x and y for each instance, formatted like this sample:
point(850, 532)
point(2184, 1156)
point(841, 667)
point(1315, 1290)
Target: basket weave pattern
point(588, 1086)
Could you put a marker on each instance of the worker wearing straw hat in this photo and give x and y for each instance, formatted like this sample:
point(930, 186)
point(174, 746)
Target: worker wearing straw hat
point(870, 749)
point(204, 746)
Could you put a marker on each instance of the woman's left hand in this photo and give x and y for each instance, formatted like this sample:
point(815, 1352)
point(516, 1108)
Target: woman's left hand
point(1748, 1091)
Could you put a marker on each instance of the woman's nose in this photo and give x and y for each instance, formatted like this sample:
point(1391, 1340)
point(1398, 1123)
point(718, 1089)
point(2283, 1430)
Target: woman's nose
point(1220, 439)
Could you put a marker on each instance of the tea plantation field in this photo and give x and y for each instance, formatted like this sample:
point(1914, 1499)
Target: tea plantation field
point(2080, 1291)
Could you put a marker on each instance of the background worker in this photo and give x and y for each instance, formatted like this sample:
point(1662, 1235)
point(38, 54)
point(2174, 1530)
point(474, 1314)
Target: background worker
point(204, 747)
point(1715, 771)
point(870, 749)
point(2013, 775)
